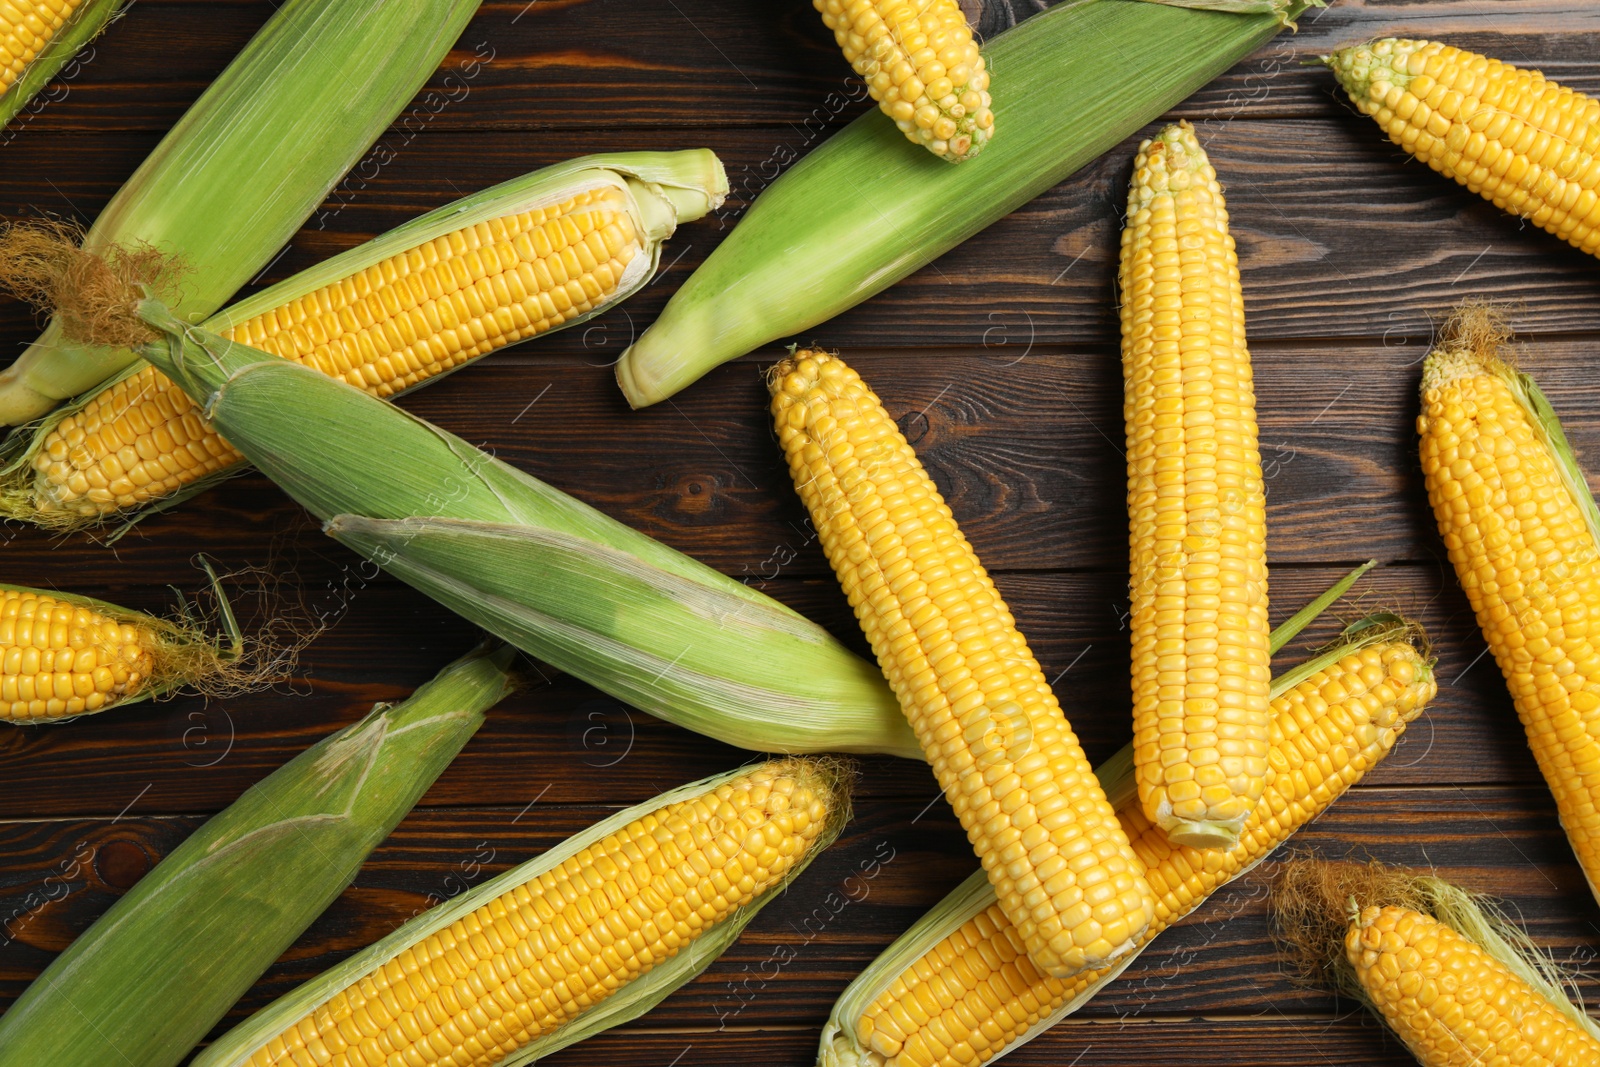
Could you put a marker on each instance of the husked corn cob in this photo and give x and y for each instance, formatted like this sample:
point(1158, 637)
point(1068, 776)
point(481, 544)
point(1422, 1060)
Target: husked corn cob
point(1411, 964)
point(397, 318)
point(976, 698)
point(1456, 981)
point(549, 945)
point(59, 659)
point(1519, 526)
point(975, 994)
point(64, 655)
point(1510, 135)
point(1196, 503)
point(26, 26)
point(922, 66)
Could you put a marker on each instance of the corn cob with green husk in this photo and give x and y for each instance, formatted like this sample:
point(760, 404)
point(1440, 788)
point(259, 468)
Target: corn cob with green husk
point(174, 953)
point(38, 38)
point(859, 212)
point(1512, 136)
point(249, 162)
point(593, 933)
point(538, 253)
point(1451, 976)
point(62, 655)
point(523, 560)
point(1523, 532)
point(958, 988)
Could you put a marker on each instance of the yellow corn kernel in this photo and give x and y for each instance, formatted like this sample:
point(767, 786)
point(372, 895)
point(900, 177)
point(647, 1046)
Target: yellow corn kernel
point(1510, 135)
point(1196, 503)
point(59, 659)
point(922, 65)
point(539, 954)
point(1527, 560)
point(1452, 1003)
point(416, 315)
point(977, 699)
point(26, 26)
point(990, 994)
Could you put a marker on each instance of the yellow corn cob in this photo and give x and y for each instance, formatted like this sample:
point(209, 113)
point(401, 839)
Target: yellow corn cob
point(974, 994)
point(1452, 1003)
point(416, 315)
point(922, 66)
point(1460, 984)
point(1525, 554)
point(59, 659)
point(1196, 504)
point(534, 957)
point(974, 694)
point(26, 26)
point(1510, 135)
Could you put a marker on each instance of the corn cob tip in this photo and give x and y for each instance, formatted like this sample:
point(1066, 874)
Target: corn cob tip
point(1370, 72)
point(1167, 163)
point(1472, 341)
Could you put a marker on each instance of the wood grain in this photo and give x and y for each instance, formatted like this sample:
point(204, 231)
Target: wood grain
point(1000, 363)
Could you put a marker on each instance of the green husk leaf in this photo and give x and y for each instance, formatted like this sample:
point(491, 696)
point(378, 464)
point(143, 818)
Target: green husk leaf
point(664, 189)
point(1278, 9)
point(249, 162)
point(866, 208)
point(156, 972)
point(85, 25)
point(630, 1002)
point(314, 436)
point(1291, 627)
point(1117, 777)
point(673, 647)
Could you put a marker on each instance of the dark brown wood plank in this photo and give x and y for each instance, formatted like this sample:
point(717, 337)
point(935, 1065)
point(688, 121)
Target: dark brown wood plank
point(1344, 236)
point(521, 67)
point(892, 865)
point(561, 736)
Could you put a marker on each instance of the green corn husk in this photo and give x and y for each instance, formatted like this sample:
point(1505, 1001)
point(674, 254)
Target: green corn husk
point(86, 23)
point(250, 162)
point(664, 189)
point(629, 1002)
point(867, 208)
point(158, 970)
point(553, 576)
point(840, 1047)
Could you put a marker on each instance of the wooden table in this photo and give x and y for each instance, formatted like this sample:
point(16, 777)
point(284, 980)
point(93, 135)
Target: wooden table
point(1001, 359)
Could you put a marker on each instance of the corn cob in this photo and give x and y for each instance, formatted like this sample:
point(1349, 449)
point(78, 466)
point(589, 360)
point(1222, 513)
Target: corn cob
point(523, 965)
point(62, 656)
point(248, 163)
point(858, 213)
point(543, 571)
point(921, 64)
point(26, 27)
point(1196, 504)
point(539, 253)
point(958, 989)
point(1452, 977)
point(174, 952)
point(1521, 528)
point(1001, 749)
point(37, 38)
point(1513, 137)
